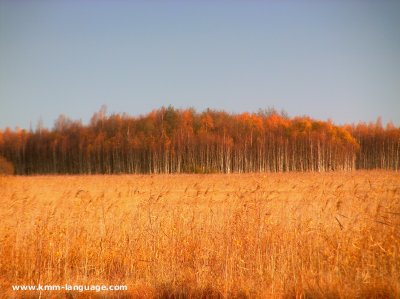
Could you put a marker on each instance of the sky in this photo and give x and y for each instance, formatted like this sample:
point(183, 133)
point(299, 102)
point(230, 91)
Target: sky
point(337, 60)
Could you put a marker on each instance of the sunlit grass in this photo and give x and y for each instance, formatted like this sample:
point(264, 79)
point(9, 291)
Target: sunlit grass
point(254, 235)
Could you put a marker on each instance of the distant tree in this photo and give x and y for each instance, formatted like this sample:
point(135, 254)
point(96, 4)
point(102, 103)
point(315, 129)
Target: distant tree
point(6, 167)
point(169, 140)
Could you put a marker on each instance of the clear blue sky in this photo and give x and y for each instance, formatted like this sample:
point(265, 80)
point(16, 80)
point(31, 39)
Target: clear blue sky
point(326, 59)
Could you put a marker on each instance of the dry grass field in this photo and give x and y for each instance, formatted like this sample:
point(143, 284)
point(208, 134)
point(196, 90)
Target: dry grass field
point(330, 235)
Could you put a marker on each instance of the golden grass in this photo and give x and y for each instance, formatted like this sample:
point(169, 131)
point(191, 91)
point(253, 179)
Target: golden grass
point(330, 235)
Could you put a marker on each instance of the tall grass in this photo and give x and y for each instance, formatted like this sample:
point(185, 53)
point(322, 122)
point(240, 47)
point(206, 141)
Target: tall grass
point(289, 235)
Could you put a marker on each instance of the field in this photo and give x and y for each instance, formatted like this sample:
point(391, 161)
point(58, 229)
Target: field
point(309, 235)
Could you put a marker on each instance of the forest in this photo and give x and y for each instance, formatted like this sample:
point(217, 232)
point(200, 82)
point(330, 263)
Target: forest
point(170, 140)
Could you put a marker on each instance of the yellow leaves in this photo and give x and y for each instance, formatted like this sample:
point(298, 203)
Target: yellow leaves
point(207, 122)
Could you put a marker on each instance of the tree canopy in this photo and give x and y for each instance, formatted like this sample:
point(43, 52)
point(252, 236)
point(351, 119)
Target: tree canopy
point(169, 140)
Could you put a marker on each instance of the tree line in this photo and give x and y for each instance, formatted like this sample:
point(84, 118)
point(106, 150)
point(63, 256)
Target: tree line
point(170, 140)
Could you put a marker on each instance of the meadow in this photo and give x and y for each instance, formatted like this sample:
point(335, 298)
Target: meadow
point(280, 235)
